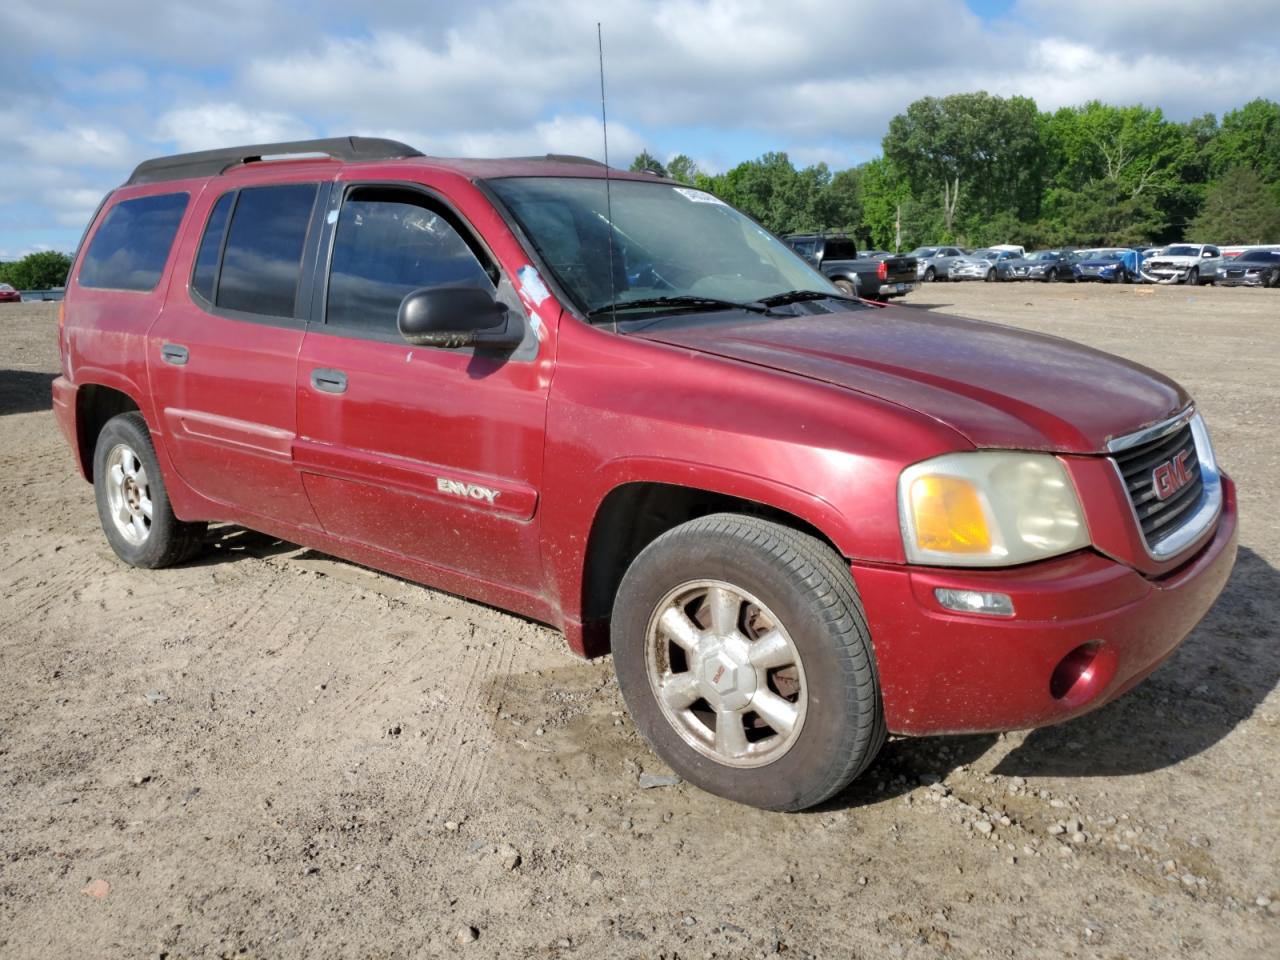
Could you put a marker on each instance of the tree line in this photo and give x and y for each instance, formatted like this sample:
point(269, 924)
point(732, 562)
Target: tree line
point(977, 169)
point(37, 271)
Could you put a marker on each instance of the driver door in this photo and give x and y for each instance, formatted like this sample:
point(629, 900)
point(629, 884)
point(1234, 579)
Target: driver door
point(425, 453)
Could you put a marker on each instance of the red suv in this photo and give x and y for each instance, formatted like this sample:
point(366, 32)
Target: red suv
point(612, 403)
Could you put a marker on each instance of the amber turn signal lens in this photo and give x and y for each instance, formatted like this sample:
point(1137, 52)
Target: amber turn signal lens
point(948, 515)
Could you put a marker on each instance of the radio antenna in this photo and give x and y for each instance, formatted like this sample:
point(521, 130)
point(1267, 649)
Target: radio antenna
point(608, 199)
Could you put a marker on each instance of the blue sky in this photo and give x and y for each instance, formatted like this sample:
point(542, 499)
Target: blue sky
point(93, 88)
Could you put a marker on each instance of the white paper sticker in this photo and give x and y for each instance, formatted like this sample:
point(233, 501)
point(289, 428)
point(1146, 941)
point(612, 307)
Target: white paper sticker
point(699, 196)
point(332, 217)
point(531, 284)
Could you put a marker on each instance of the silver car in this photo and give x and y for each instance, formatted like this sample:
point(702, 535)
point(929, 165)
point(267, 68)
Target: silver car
point(979, 265)
point(933, 263)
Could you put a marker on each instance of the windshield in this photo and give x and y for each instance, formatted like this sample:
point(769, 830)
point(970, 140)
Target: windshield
point(984, 254)
point(1181, 250)
point(665, 242)
point(1259, 256)
point(923, 252)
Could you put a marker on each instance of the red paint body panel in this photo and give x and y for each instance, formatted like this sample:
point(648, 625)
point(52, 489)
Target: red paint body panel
point(944, 672)
point(815, 417)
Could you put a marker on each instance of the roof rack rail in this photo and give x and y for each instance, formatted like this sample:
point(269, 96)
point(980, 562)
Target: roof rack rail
point(211, 163)
point(564, 158)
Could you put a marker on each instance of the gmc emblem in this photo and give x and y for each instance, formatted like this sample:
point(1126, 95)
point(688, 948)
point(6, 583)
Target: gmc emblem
point(1171, 476)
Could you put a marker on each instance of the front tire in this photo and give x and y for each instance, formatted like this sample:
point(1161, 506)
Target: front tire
point(743, 655)
point(929, 275)
point(991, 276)
point(1193, 277)
point(1053, 275)
point(133, 504)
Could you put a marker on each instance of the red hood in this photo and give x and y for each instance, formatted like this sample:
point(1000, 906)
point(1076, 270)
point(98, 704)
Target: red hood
point(996, 385)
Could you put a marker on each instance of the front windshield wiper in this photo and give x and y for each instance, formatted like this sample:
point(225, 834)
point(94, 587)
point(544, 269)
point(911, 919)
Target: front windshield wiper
point(796, 296)
point(683, 302)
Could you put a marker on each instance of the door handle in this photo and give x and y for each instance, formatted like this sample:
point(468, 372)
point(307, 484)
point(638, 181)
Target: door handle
point(329, 381)
point(174, 353)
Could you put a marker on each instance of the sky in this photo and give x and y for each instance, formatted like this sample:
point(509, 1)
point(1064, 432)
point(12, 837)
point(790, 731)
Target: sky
point(92, 88)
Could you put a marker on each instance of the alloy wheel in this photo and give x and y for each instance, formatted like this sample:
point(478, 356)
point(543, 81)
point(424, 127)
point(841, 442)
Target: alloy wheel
point(725, 673)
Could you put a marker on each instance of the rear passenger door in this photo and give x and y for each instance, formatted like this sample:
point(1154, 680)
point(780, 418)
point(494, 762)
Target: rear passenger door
point(222, 357)
point(425, 453)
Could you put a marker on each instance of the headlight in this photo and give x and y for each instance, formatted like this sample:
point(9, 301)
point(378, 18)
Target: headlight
point(989, 509)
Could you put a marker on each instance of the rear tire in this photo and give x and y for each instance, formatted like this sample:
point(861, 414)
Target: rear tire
point(743, 655)
point(846, 288)
point(133, 504)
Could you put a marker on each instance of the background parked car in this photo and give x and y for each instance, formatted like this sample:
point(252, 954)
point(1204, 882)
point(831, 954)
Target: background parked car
point(932, 263)
point(1253, 268)
point(1193, 263)
point(9, 295)
point(876, 274)
point(1114, 265)
point(1045, 265)
point(979, 265)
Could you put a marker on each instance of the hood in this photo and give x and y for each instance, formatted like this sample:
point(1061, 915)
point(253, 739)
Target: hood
point(967, 259)
point(996, 385)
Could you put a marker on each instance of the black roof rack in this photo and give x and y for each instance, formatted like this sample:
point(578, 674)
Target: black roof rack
point(210, 163)
point(564, 158)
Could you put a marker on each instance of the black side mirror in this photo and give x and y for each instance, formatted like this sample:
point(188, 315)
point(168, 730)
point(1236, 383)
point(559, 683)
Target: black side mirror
point(456, 317)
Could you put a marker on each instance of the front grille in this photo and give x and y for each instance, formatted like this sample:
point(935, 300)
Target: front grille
point(1161, 518)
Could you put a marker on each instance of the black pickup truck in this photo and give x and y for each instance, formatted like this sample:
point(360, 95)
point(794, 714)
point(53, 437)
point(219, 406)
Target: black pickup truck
point(875, 277)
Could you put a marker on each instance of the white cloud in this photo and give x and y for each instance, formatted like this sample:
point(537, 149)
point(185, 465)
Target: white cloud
point(79, 146)
point(227, 124)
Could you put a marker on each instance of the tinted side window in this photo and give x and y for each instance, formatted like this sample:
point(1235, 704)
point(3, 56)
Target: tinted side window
point(385, 249)
point(132, 245)
point(263, 258)
point(206, 270)
point(840, 250)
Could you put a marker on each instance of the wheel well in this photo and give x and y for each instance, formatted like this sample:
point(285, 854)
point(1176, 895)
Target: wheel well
point(95, 405)
point(633, 516)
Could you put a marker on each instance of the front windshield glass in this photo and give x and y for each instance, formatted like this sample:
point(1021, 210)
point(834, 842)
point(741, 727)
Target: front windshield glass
point(665, 242)
point(984, 254)
point(1182, 250)
point(923, 252)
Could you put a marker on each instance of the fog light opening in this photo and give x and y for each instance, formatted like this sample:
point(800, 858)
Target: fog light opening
point(1078, 676)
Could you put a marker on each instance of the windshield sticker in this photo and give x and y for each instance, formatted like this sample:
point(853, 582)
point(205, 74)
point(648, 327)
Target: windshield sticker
point(698, 196)
point(531, 284)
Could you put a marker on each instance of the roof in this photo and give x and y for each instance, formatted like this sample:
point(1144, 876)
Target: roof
point(212, 163)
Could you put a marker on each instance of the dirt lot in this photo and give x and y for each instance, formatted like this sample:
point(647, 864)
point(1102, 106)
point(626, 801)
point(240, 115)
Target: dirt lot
point(270, 753)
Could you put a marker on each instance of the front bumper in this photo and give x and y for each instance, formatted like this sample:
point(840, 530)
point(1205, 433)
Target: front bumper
point(944, 672)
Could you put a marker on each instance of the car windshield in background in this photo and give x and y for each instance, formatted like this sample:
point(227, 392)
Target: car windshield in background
point(923, 252)
point(665, 242)
point(984, 254)
point(1259, 256)
point(1178, 250)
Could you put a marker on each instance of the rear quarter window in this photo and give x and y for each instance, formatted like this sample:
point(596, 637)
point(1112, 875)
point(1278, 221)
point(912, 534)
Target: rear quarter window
point(130, 248)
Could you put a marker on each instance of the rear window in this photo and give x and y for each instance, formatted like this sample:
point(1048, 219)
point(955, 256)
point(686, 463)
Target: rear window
point(130, 248)
point(205, 274)
point(263, 258)
point(840, 250)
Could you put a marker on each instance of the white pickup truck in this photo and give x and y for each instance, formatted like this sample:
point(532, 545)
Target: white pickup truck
point(1193, 263)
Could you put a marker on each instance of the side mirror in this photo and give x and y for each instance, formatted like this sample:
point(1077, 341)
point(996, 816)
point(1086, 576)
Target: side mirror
point(1206, 254)
point(456, 317)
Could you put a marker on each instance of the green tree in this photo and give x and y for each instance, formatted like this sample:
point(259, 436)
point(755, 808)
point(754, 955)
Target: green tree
point(37, 271)
point(1239, 208)
point(647, 162)
point(683, 168)
point(1249, 137)
point(977, 147)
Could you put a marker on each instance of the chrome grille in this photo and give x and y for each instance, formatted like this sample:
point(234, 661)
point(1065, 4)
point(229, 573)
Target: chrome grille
point(1158, 518)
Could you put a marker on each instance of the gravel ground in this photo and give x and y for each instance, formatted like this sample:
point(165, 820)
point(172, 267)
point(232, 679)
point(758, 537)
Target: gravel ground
point(271, 753)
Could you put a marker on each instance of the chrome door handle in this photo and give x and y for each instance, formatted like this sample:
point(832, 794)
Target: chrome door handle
point(329, 381)
point(174, 353)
